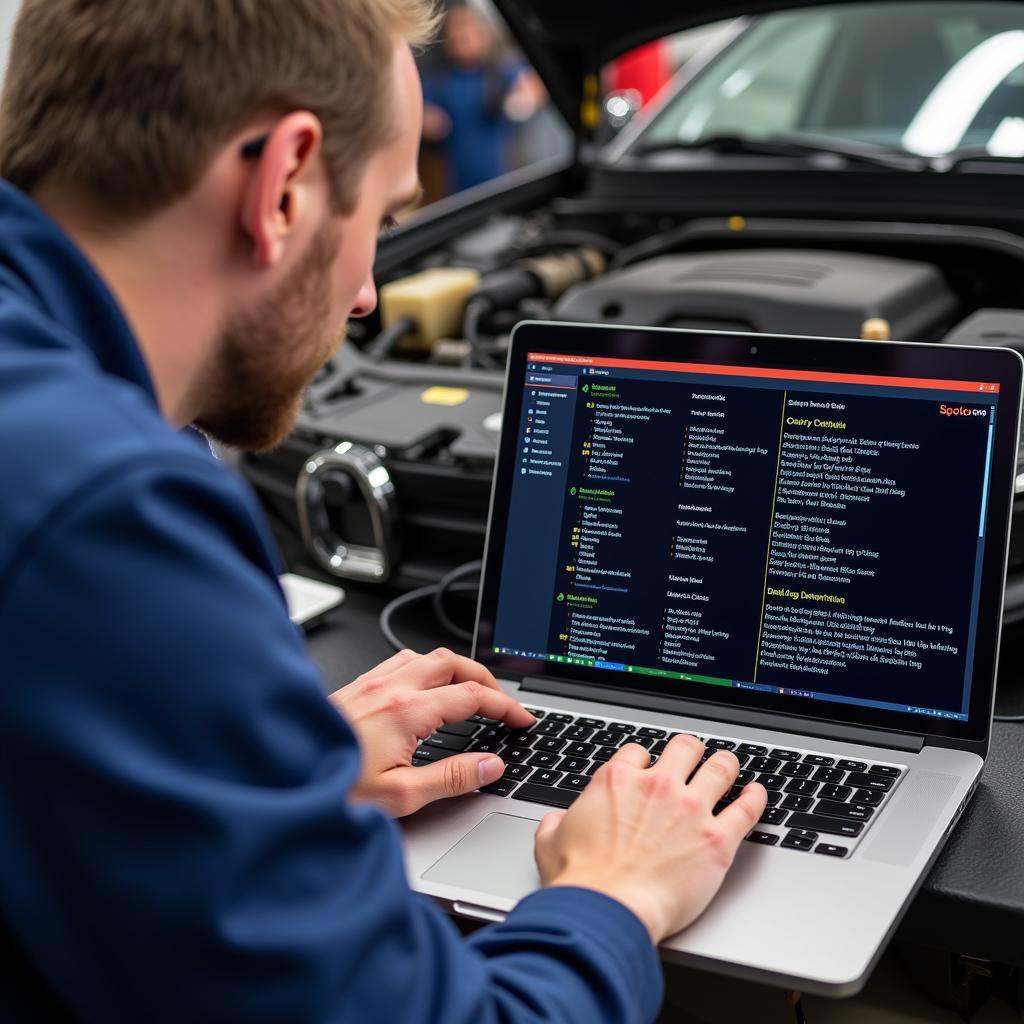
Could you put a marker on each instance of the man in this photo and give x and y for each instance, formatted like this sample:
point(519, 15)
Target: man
point(188, 830)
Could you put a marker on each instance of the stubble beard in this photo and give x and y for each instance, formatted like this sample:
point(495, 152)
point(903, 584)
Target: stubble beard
point(267, 356)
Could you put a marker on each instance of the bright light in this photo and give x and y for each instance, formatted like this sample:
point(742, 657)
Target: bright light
point(1008, 138)
point(378, 477)
point(942, 122)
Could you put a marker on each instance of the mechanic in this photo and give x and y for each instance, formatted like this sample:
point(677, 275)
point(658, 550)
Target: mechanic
point(189, 830)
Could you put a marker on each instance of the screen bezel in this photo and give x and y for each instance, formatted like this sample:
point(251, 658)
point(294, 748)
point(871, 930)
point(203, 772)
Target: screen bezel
point(896, 359)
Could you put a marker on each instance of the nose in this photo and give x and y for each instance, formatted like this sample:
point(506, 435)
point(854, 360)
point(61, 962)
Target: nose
point(366, 300)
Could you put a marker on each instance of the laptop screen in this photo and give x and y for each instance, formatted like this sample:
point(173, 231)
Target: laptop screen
point(806, 535)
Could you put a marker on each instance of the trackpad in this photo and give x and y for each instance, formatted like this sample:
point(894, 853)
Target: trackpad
point(496, 858)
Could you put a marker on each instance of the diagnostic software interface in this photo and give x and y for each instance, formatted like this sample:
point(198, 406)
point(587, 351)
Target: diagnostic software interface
point(810, 534)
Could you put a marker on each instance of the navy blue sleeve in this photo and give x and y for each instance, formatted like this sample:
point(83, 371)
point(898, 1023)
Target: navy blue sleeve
point(175, 838)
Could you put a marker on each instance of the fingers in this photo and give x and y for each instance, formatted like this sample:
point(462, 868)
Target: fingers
point(743, 813)
point(681, 755)
point(414, 788)
point(632, 753)
point(441, 667)
point(549, 862)
point(715, 776)
point(423, 712)
point(394, 662)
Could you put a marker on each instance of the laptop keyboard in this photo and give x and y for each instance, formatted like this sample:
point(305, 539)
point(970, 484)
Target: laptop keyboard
point(816, 802)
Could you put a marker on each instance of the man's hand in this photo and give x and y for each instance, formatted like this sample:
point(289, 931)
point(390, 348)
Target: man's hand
point(647, 838)
point(394, 706)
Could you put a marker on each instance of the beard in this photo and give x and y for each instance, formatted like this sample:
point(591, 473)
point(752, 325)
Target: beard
point(266, 357)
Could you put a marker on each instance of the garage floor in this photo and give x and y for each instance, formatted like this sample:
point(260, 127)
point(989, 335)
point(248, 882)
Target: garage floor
point(694, 997)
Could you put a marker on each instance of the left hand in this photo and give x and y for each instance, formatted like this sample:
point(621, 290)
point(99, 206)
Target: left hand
point(404, 700)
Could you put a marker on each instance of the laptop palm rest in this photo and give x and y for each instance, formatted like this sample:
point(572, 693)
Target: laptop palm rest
point(496, 858)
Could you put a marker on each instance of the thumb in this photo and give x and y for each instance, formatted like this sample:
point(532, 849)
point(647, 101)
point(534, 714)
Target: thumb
point(548, 860)
point(461, 773)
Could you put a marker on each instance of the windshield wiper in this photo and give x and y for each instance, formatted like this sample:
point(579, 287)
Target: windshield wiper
point(792, 145)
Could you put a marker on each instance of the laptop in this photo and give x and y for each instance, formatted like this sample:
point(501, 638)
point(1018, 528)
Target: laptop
point(793, 548)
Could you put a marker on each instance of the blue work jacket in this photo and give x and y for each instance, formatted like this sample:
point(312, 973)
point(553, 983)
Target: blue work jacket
point(176, 841)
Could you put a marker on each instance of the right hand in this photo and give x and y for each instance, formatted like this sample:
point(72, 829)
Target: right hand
point(647, 838)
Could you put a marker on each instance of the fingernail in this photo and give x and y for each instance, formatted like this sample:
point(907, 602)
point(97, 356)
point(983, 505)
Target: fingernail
point(491, 769)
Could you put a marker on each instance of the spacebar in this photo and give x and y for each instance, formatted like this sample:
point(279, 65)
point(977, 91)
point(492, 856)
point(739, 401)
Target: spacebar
point(545, 795)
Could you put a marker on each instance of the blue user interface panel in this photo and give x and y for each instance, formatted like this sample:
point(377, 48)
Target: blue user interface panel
point(790, 532)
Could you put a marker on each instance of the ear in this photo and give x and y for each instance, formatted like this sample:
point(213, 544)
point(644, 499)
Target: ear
point(280, 191)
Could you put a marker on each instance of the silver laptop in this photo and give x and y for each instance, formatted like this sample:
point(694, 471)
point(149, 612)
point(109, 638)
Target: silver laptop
point(792, 548)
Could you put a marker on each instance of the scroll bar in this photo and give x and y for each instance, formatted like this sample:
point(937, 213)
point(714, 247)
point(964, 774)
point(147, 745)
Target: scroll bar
point(984, 493)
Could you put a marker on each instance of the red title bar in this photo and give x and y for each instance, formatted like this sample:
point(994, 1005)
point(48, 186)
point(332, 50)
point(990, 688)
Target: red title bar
point(768, 374)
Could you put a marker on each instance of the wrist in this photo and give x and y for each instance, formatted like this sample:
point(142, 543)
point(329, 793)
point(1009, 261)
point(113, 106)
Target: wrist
point(650, 918)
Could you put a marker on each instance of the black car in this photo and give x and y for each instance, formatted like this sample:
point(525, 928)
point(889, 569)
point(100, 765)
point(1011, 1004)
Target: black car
point(841, 169)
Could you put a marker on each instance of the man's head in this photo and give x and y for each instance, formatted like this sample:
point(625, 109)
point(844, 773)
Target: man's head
point(135, 116)
point(468, 38)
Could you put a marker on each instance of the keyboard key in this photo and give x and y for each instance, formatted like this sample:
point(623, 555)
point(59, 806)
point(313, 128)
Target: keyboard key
point(871, 797)
point(744, 777)
point(515, 754)
point(653, 761)
point(764, 764)
point(621, 727)
point(797, 842)
point(557, 716)
point(500, 788)
point(418, 762)
point(603, 753)
point(546, 777)
point(483, 721)
point(549, 795)
point(831, 851)
point(833, 775)
point(655, 734)
point(542, 759)
point(484, 746)
point(594, 767)
point(551, 744)
point(463, 729)
point(861, 780)
point(713, 744)
point(772, 781)
point(577, 732)
point(576, 782)
point(774, 816)
point(764, 838)
point(754, 749)
point(826, 825)
point(742, 758)
point(774, 796)
point(884, 769)
point(493, 732)
point(517, 772)
point(575, 765)
point(431, 754)
point(835, 792)
point(536, 712)
point(785, 755)
point(548, 728)
point(643, 741)
point(834, 809)
point(446, 742)
point(796, 770)
point(802, 787)
point(591, 723)
point(579, 750)
point(607, 736)
point(659, 746)
point(797, 803)
point(819, 759)
point(852, 766)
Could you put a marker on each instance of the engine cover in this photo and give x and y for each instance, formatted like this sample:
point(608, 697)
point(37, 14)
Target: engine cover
point(770, 291)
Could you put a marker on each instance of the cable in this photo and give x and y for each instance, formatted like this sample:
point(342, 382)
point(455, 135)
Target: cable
point(389, 339)
point(436, 592)
point(796, 1001)
point(469, 569)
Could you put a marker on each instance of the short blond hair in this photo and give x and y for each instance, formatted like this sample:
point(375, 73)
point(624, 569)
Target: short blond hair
point(123, 104)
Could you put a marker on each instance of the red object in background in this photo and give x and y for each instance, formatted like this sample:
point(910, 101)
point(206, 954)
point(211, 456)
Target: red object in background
point(645, 69)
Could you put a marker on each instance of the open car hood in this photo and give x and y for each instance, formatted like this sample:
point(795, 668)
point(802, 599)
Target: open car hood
point(569, 41)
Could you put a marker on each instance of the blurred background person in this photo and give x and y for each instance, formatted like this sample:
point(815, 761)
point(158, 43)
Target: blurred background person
point(476, 100)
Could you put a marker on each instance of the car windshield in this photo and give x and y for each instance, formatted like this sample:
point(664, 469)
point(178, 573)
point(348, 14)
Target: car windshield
point(931, 79)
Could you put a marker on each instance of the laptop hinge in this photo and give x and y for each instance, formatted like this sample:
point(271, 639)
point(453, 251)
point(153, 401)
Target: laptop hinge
point(739, 716)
